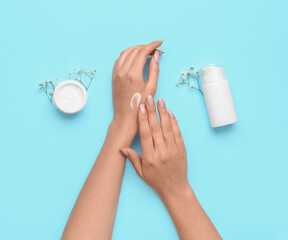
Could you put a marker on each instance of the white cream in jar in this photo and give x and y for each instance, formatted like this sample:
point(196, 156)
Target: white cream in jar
point(70, 97)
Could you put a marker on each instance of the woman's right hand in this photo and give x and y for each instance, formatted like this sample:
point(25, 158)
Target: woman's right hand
point(164, 167)
point(163, 164)
point(128, 80)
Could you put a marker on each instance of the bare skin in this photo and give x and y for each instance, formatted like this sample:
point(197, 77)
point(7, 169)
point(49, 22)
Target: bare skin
point(163, 166)
point(93, 214)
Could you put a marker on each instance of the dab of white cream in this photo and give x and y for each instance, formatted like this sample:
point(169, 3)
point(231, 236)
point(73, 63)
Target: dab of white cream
point(70, 97)
point(137, 97)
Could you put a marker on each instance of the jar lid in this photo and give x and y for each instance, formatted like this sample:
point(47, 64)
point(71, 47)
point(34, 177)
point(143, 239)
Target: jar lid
point(70, 97)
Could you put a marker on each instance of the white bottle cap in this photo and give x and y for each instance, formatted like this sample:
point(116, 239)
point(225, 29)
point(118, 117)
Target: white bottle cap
point(212, 74)
point(70, 97)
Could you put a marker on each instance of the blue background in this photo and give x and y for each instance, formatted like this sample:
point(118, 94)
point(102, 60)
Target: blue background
point(238, 172)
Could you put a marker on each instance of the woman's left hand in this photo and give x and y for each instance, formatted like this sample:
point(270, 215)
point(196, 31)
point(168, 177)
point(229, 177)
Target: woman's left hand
point(128, 80)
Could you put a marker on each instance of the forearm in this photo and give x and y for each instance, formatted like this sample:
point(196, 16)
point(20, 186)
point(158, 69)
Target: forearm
point(94, 211)
point(188, 216)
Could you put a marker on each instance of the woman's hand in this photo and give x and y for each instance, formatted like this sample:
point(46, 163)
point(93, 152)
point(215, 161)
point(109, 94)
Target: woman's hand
point(163, 164)
point(164, 167)
point(128, 80)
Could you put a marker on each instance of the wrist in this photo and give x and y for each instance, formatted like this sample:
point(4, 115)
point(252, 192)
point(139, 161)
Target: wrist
point(183, 192)
point(125, 124)
point(124, 128)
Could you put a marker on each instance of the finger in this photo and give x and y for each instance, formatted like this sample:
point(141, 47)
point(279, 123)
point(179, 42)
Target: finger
point(119, 62)
point(154, 123)
point(160, 52)
point(144, 130)
point(176, 130)
point(165, 123)
point(134, 158)
point(129, 60)
point(153, 72)
point(123, 56)
point(141, 58)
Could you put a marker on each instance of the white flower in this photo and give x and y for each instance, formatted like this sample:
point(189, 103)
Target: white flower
point(75, 78)
point(181, 81)
point(184, 77)
point(46, 81)
point(49, 81)
point(183, 73)
point(80, 70)
point(40, 87)
point(191, 86)
point(50, 92)
point(192, 67)
point(91, 72)
point(57, 83)
point(177, 84)
point(40, 84)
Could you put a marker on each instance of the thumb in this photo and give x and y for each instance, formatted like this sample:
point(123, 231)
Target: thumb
point(153, 72)
point(134, 158)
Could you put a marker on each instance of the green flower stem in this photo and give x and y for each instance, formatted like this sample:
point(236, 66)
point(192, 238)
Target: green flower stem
point(186, 79)
point(77, 76)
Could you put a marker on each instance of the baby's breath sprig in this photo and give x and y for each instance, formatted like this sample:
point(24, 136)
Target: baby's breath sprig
point(189, 78)
point(78, 76)
point(48, 88)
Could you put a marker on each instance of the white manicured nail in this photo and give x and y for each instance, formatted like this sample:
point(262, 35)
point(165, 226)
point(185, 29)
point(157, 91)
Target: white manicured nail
point(161, 102)
point(124, 152)
point(156, 56)
point(170, 113)
point(142, 109)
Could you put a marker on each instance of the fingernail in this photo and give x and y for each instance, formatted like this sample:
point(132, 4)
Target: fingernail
point(161, 102)
point(124, 152)
point(142, 109)
point(150, 100)
point(170, 113)
point(161, 40)
point(156, 56)
point(160, 52)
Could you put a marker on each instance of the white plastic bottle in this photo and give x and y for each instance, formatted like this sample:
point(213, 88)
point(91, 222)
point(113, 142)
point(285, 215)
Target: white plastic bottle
point(218, 97)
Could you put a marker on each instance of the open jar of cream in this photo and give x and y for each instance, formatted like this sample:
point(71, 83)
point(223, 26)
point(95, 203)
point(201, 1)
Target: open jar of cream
point(70, 97)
